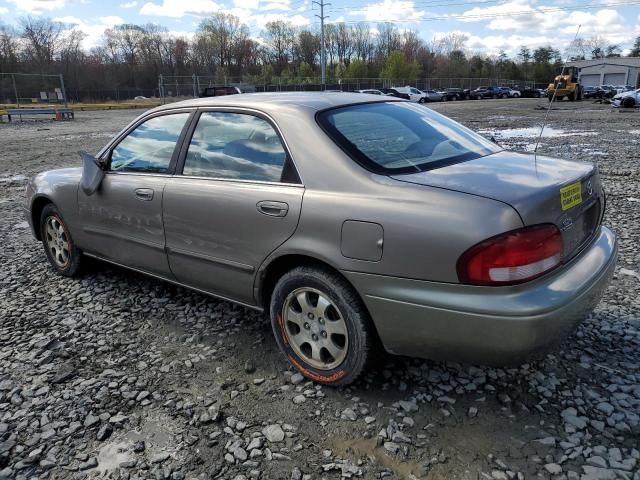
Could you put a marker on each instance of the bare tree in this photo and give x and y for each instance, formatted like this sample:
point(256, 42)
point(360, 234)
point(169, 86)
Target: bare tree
point(363, 43)
point(9, 49)
point(42, 38)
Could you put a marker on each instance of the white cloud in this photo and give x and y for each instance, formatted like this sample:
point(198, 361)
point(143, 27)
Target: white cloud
point(296, 20)
point(390, 11)
point(38, 6)
point(560, 26)
point(94, 30)
point(601, 22)
point(248, 4)
point(129, 4)
point(4, 11)
point(339, 19)
point(179, 8)
point(277, 5)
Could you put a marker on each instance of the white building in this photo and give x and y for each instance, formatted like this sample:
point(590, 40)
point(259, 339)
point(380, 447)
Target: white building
point(608, 71)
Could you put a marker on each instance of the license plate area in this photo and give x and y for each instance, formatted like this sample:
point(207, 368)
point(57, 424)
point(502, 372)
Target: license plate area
point(582, 229)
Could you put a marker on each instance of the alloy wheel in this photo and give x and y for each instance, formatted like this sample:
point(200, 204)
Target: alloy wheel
point(57, 241)
point(315, 328)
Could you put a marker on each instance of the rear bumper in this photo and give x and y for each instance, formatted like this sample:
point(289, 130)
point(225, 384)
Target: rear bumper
point(494, 325)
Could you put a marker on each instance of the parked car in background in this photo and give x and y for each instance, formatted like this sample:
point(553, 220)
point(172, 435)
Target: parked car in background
point(414, 94)
point(432, 96)
point(607, 91)
point(590, 92)
point(371, 91)
point(627, 99)
point(219, 91)
point(141, 97)
point(528, 92)
point(488, 92)
point(511, 93)
point(415, 232)
point(453, 94)
point(392, 92)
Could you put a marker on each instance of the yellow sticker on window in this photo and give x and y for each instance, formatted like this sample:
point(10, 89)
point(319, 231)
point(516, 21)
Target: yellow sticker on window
point(571, 195)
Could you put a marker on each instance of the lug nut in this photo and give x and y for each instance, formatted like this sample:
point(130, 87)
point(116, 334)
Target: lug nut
point(306, 325)
point(324, 334)
point(310, 316)
point(315, 337)
point(321, 320)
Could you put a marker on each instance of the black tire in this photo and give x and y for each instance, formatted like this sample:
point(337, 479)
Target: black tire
point(422, 100)
point(73, 264)
point(360, 338)
point(628, 102)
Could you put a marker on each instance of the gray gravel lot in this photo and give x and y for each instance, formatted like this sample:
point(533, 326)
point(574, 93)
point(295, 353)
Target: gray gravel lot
point(119, 375)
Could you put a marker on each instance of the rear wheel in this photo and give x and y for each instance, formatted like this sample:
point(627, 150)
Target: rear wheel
point(628, 102)
point(62, 253)
point(321, 325)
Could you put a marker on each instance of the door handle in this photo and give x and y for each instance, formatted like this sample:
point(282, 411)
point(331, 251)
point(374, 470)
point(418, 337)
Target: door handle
point(273, 209)
point(145, 194)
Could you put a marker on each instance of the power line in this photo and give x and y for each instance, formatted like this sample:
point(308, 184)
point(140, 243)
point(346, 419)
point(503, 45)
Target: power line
point(468, 17)
point(496, 15)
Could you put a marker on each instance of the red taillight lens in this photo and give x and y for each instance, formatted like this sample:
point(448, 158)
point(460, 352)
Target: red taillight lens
point(512, 257)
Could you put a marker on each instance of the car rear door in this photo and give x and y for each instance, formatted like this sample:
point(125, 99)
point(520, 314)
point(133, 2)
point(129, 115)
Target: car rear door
point(237, 197)
point(122, 221)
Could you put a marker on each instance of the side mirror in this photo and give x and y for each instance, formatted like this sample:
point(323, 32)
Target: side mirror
point(92, 173)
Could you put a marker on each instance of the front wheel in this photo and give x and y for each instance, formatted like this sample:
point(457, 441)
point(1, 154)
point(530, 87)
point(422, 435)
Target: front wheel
point(422, 100)
point(62, 253)
point(321, 325)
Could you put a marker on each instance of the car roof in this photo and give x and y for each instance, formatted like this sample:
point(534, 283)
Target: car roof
point(271, 103)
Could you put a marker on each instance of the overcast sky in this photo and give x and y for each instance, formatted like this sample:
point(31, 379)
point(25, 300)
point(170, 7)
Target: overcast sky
point(491, 25)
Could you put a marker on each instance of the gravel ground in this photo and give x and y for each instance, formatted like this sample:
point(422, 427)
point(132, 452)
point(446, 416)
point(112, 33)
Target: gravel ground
point(118, 375)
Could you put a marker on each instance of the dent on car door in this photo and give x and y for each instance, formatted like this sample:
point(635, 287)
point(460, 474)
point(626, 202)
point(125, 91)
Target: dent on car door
point(238, 199)
point(122, 220)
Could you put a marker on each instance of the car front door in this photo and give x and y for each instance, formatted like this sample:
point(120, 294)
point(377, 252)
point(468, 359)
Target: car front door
point(238, 198)
point(122, 221)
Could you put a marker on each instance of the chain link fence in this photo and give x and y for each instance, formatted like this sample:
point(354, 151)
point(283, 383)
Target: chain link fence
point(23, 89)
point(173, 87)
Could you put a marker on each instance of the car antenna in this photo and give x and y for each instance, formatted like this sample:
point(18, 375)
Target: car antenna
point(555, 90)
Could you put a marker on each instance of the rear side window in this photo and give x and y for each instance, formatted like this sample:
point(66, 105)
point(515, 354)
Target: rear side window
point(235, 145)
point(401, 137)
point(150, 146)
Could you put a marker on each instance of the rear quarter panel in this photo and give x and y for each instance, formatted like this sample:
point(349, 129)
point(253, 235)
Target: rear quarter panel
point(425, 229)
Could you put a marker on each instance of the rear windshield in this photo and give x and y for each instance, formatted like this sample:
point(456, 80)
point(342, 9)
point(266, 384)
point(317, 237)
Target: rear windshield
point(399, 137)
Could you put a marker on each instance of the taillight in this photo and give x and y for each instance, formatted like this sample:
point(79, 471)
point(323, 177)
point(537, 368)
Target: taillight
point(512, 257)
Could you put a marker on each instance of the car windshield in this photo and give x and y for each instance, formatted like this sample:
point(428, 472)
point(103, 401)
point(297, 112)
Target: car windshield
point(399, 137)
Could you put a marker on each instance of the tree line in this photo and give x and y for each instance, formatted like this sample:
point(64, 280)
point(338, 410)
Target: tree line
point(133, 56)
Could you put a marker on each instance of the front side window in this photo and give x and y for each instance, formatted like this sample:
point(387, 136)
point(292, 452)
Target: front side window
point(235, 145)
point(399, 137)
point(150, 147)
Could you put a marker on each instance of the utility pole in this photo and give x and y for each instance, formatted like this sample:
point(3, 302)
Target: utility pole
point(323, 56)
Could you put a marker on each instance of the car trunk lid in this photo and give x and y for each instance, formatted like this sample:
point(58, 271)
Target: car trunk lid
point(541, 189)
